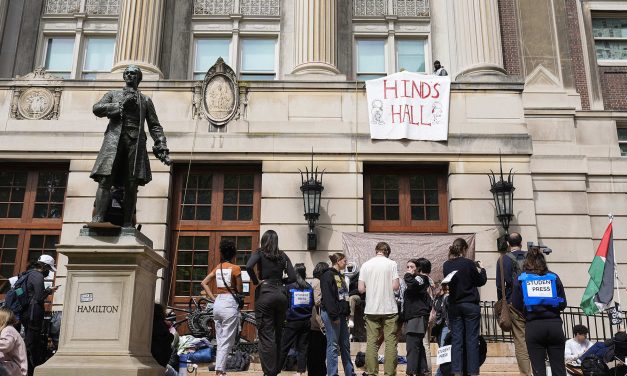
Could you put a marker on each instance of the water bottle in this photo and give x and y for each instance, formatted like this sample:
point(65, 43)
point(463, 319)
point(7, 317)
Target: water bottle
point(183, 363)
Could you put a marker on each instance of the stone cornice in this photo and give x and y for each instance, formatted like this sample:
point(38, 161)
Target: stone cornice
point(263, 86)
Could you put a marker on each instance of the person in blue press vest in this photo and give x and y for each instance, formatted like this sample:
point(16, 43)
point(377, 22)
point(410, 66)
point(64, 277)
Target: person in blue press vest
point(298, 324)
point(539, 293)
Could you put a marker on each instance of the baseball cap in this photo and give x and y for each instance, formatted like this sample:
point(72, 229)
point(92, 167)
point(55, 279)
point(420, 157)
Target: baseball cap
point(48, 260)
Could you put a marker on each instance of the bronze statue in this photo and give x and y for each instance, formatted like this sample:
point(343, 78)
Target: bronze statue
point(123, 160)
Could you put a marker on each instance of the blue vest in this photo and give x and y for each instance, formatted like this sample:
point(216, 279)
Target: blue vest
point(539, 290)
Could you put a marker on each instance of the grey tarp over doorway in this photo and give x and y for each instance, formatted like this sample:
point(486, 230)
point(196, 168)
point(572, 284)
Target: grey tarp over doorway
point(359, 247)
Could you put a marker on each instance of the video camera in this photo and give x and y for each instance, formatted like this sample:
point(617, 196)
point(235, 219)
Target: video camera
point(543, 248)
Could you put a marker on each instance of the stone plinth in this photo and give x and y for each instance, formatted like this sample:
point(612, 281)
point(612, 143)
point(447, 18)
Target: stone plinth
point(108, 306)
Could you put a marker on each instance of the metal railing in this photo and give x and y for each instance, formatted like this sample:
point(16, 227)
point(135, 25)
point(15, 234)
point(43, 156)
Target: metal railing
point(599, 324)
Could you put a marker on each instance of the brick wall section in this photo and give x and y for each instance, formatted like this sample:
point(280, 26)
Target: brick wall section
point(576, 53)
point(614, 87)
point(510, 39)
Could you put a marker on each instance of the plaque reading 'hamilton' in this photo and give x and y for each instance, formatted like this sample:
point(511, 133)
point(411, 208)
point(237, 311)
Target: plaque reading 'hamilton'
point(220, 94)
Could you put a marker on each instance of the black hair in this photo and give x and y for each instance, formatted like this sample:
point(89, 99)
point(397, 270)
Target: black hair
point(320, 268)
point(301, 274)
point(228, 250)
point(514, 239)
point(270, 245)
point(580, 329)
point(423, 265)
point(458, 248)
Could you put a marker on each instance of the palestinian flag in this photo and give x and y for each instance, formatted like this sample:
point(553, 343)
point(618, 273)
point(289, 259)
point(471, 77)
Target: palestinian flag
point(600, 290)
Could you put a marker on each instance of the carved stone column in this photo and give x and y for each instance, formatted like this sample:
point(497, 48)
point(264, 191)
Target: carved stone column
point(478, 36)
point(139, 35)
point(315, 36)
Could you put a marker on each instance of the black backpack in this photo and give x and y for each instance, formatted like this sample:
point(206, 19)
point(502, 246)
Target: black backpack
point(594, 366)
point(17, 299)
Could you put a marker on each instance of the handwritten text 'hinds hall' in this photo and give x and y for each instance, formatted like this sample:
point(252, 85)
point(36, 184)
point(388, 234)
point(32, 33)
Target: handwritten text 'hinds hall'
point(412, 113)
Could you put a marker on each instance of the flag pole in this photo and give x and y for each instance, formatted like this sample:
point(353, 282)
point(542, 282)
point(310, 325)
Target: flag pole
point(618, 281)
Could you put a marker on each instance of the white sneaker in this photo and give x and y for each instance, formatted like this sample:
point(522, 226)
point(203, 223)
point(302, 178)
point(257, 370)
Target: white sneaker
point(351, 324)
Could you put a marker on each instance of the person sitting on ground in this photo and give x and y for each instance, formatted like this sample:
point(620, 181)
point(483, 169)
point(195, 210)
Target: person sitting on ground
point(575, 348)
point(12, 348)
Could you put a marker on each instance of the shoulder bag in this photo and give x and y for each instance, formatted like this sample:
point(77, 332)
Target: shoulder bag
point(501, 308)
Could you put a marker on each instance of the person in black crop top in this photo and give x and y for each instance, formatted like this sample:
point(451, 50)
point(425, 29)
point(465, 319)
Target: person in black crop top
point(270, 298)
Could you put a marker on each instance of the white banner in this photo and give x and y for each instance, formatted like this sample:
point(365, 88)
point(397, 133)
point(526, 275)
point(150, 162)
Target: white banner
point(409, 105)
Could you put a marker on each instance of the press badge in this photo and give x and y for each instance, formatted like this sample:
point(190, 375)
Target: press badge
point(539, 290)
point(301, 298)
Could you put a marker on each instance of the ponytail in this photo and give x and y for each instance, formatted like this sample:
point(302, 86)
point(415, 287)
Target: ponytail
point(457, 249)
point(336, 257)
point(301, 274)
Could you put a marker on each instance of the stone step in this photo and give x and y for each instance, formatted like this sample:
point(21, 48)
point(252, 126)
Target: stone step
point(487, 368)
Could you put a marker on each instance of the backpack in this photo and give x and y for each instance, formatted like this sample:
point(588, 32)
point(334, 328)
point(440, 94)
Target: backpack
point(517, 264)
point(238, 361)
point(594, 366)
point(17, 299)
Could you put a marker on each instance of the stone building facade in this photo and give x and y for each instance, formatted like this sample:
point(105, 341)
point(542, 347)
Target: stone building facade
point(541, 83)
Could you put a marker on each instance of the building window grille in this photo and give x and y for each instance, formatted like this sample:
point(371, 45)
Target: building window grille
point(246, 7)
point(62, 6)
point(103, 7)
point(260, 7)
point(610, 39)
point(400, 8)
point(92, 7)
point(213, 7)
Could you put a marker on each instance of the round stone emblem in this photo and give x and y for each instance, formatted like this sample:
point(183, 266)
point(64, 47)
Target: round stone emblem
point(219, 99)
point(35, 103)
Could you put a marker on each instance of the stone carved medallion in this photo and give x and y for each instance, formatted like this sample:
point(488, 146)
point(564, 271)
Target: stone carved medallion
point(220, 94)
point(36, 96)
point(35, 103)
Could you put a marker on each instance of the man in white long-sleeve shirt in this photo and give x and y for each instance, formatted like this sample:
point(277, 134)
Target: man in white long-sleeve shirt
point(575, 348)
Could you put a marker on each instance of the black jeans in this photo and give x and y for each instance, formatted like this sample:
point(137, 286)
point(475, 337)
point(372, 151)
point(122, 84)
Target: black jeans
point(542, 337)
point(34, 347)
point(296, 334)
point(317, 355)
point(416, 355)
point(270, 309)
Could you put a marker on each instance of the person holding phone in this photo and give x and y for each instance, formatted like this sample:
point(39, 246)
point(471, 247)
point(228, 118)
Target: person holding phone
point(33, 318)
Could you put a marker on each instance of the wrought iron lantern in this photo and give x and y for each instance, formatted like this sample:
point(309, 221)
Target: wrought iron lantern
point(503, 193)
point(312, 190)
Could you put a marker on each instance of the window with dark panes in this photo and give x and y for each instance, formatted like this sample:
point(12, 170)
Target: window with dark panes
point(399, 199)
point(212, 204)
point(622, 140)
point(31, 212)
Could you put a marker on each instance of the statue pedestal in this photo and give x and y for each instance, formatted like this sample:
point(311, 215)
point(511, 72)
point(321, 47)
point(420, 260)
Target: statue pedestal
point(108, 306)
